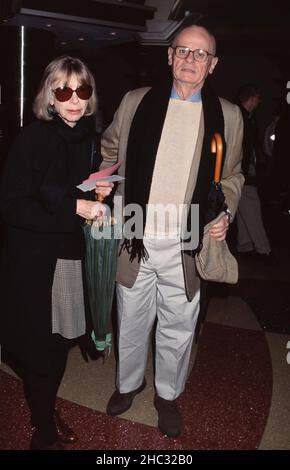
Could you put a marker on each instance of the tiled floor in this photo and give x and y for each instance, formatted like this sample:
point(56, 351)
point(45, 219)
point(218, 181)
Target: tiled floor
point(237, 395)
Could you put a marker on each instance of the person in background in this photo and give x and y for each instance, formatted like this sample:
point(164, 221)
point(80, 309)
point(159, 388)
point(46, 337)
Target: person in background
point(163, 134)
point(252, 237)
point(42, 300)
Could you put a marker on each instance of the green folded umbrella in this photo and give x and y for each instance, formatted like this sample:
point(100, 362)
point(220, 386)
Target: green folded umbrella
point(100, 262)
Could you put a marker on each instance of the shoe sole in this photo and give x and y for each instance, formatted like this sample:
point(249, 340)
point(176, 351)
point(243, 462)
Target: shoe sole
point(172, 435)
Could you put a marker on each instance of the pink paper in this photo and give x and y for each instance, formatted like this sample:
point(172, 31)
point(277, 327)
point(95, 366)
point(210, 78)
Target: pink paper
point(103, 173)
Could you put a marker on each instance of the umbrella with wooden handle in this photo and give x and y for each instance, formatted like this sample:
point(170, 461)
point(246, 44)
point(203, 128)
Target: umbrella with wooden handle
point(216, 198)
point(216, 204)
point(217, 148)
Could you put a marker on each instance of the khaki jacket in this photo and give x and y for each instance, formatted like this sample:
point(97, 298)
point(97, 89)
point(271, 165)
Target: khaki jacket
point(114, 146)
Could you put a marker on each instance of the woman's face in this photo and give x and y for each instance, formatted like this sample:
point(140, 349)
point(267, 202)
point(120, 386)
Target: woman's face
point(73, 109)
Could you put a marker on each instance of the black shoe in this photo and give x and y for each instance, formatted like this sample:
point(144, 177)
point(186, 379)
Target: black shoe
point(169, 418)
point(121, 402)
point(37, 443)
point(65, 434)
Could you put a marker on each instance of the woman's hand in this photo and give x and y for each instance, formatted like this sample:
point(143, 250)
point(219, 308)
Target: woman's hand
point(104, 188)
point(90, 210)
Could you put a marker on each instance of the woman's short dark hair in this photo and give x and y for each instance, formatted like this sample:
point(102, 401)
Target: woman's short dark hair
point(63, 66)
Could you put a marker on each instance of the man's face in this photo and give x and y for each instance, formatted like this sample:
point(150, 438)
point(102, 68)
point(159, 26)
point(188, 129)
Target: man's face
point(188, 71)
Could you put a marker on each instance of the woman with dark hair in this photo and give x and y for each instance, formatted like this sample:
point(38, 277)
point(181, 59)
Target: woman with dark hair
point(41, 266)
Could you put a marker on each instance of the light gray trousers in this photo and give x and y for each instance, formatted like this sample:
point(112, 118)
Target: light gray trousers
point(251, 231)
point(158, 291)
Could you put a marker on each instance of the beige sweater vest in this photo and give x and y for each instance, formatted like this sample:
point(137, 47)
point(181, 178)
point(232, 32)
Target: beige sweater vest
point(171, 170)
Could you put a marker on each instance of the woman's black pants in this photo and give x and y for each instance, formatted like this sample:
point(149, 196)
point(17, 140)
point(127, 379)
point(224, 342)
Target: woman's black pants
point(41, 390)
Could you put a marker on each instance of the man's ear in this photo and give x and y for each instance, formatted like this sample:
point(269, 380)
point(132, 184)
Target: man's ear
point(213, 64)
point(170, 54)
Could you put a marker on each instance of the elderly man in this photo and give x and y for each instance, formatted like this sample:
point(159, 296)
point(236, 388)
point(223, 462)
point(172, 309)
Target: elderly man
point(163, 134)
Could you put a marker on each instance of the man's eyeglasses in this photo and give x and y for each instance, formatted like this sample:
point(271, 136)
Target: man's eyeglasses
point(64, 93)
point(198, 54)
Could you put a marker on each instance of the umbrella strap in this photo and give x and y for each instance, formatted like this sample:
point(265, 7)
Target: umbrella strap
point(101, 345)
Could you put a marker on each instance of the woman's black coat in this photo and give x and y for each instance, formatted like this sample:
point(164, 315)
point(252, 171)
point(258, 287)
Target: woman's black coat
point(38, 206)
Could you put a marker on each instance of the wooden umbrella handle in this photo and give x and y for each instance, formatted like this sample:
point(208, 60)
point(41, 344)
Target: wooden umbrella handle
point(217, 148)
point(100, 197)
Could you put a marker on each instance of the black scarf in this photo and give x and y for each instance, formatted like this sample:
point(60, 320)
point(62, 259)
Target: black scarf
point(70, 163)
point(143, 142)
point(75, 134)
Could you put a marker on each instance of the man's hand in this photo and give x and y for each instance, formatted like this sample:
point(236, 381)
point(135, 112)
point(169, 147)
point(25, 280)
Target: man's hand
point(219, 230)
point(104, 188)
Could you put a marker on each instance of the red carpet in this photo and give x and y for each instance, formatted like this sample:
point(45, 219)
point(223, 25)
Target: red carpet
point(225, 404)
